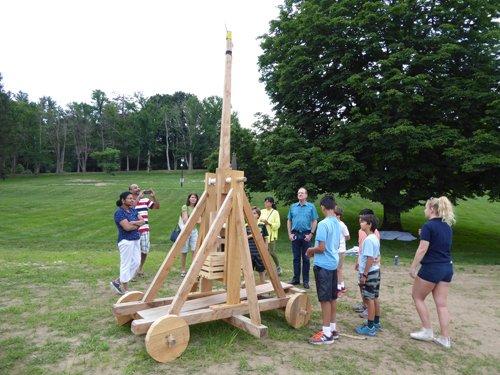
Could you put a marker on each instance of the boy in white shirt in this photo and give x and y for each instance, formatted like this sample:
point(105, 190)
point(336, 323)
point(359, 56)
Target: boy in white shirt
point(369, 275)
point(345, 236)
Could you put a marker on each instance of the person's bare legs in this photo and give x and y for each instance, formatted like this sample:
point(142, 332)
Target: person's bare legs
point(370, 305)
point(333, 311)
point(377, 307)
point(440, 294)
point(340, 272)
point(183, 262)
point(143, 260)
point(420, 291)
point(326, 313)
point(262, 279)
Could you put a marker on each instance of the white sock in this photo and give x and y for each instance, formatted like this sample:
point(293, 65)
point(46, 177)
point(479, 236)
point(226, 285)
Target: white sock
point(327, 332)
point(342, 284)
point(333, 327)
point(339, 286)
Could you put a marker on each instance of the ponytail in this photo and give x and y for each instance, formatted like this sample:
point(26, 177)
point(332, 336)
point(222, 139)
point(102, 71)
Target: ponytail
point(443, 208)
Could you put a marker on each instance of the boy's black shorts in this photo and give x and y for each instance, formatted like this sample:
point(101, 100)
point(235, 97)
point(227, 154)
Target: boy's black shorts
point(326, 284)
point(257, 263)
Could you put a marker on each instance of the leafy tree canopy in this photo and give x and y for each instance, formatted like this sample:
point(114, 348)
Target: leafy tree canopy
point(395, 100)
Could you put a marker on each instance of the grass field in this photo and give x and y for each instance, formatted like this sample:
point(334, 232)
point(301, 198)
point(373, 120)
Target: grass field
point(58, 253)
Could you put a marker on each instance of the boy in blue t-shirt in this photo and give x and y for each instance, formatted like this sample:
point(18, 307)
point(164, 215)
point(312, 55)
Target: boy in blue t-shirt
point(326, 259)
point(369, 275)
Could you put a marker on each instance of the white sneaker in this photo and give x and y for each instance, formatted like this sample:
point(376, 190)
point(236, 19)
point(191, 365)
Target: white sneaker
point(443, 341)
point(423, 335)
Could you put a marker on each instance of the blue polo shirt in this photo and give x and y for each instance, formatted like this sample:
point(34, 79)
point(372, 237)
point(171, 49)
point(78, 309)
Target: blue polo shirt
point(301, 216)
point(439, 235)
point(131, 215)
point(329, 232)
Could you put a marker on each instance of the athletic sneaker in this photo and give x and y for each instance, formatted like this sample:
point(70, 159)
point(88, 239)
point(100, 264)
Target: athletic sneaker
point(116, 287)
point(364, 314)
point(366, 331)
point(319, 338)
point(423, 335)
point(443, 341)
point(378, 326)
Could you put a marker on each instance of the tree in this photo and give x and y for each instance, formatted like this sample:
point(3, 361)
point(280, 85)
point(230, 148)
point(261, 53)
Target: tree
point(80, 119)
point(56, 126)
point(108, 160)
point(394, 100)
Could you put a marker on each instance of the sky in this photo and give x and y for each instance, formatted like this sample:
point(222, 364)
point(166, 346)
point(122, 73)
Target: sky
point(67, 49)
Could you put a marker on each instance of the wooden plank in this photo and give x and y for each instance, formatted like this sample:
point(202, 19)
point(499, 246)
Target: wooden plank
point(203, 302)
point(242, 322)
point(201, 255)
point(262, 247)
point(233, 258)
point(127, 308)
point(247, 263)
point(141, 326)
point(162, 273)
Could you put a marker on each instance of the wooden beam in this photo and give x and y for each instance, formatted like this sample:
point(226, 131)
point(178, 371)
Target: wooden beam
point(242, 322)
point(262, 248)
point(162, 273)
point(201, 255)
point(233, 257)
point(128, 308)
point(225, 128)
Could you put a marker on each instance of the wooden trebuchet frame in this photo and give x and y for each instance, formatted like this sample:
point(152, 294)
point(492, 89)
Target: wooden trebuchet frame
point(223, 212)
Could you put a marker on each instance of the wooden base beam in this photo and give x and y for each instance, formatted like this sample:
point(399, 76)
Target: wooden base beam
point(141, 326)
point(245, 324)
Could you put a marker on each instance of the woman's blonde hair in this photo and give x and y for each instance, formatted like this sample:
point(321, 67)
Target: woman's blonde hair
point(443, 208)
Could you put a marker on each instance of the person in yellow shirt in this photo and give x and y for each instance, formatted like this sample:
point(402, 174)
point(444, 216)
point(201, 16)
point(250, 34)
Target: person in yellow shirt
point(271, 218)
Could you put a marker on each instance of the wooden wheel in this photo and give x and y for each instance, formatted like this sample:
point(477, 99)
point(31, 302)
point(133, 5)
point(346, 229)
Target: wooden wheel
point(167, 338)
point(127, 297)
point(298, 310)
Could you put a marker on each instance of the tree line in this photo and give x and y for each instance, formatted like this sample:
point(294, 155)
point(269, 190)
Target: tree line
point(157, 132)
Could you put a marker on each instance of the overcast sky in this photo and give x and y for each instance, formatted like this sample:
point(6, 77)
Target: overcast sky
point(66, 49)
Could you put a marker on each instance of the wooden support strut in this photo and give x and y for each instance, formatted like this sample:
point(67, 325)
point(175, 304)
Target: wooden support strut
point(253, 305)
point(162, 273)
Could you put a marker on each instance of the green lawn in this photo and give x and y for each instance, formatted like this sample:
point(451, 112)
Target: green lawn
point(58, 253)
point(75, 211)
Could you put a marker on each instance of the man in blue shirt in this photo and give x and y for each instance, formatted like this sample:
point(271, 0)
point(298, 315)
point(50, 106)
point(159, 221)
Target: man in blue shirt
point(301, 224)
point(326, 259)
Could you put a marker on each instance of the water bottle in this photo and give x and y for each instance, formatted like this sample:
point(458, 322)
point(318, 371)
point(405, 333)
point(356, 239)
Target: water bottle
point(396, 260)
